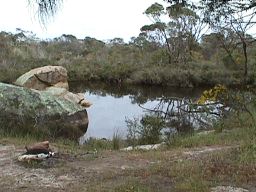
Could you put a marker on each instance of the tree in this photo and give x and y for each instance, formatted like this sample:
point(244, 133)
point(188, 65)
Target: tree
point(211, 45)
point(233, 19)
point(158, 29)
point(213, 5)
point(180, 35)
point(45, 8)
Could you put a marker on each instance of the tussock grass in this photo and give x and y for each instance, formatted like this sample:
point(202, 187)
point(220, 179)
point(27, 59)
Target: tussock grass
point(116, 141)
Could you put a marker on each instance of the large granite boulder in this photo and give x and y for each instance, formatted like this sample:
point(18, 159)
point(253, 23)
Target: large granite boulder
point(43, 77)
point(52, 80)
point(26, 111)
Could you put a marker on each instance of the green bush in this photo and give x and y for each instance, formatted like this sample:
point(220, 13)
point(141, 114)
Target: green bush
point(144, 131)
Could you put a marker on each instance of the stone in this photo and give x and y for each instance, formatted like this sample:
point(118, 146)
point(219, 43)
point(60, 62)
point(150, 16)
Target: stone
point(85, 103)
point(228, 189)
point(52, 80)
point(33, 157)
point(42, 147)
point(26, 111)
point(143, 147)
point(43, 77)
point(63, 93)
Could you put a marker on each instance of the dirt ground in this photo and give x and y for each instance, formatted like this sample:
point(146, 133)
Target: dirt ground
point(102, 171)
point(66, 172)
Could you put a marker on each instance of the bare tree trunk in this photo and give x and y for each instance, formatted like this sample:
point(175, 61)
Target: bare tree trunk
point(245, 62)
point(168, 46)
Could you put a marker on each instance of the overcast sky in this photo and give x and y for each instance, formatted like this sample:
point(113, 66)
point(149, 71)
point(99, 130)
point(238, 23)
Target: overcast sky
point(101, 19)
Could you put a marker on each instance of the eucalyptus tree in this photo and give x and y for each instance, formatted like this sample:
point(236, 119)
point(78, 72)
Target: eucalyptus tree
point(235, 20)
point(186, 28)
point(213, 5)
point(179, 31)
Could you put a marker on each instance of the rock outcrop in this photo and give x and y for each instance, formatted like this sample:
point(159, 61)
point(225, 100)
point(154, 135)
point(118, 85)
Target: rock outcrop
point(27, 111)
point(52, 80)
point(72, 97)
point(43, 77)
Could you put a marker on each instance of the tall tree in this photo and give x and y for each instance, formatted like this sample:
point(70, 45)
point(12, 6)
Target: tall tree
point(158, 31)
point(233, 18)
point(180, 34)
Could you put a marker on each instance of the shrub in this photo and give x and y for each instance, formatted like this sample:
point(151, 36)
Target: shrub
point(144, 131)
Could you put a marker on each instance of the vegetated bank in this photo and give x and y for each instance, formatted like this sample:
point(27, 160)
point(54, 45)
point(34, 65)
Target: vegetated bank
point(139, 61)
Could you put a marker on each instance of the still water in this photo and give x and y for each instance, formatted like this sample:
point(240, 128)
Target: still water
point(113, 104)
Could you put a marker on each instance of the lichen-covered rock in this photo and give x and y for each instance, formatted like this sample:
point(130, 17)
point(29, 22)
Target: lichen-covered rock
point(26, 111)
point(43, 77)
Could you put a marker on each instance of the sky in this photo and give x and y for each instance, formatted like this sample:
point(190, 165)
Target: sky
point(101, 19)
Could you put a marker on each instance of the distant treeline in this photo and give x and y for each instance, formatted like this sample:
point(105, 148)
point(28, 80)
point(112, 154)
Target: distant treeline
point(140, 61)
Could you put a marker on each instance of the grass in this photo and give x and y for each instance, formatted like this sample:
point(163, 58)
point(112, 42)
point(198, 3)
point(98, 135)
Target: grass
point(233, 166)
point(132, 185)
point(214, 138)
point(204, 172)
point(66, 145)
point(116, 141)
point(167, 169)
point(17, 139)
point(235, 130)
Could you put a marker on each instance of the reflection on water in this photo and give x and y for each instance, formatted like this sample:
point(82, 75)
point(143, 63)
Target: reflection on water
point(113, 104)
point(107, 114)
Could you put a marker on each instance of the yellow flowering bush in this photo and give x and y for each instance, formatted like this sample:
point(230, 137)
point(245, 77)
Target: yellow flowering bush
point(212, 94)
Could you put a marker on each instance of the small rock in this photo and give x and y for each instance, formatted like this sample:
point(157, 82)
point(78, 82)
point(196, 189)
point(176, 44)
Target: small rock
point(143, 147)
point(228, 189)
point(206, 132)
point(123, 167)
point(64, 178)
point(40, 156)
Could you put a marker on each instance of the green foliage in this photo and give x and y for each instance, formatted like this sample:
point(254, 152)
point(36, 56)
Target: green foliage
point(155, 10)
point(151, 132)
point(153, 27)
point(97, 144)
point(177, 10)
point(116, 141)
point(132, 186)
point(144, 131)
point(141, 61)
point(173, 52)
